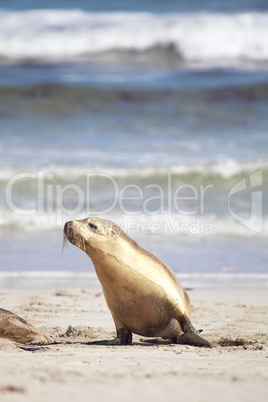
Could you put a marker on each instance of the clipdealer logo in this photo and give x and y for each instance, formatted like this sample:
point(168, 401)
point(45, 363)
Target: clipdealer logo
point(49, 197)
point(49, 200)
point(253, 183)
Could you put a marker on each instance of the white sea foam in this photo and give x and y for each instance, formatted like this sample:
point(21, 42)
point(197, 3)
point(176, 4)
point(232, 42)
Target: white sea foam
point(54, 35)
point(225, 168)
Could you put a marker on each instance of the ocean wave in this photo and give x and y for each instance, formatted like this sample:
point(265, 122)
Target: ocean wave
point(49, 97)
point(225, 169)
point(60, 35)
point(167, 225)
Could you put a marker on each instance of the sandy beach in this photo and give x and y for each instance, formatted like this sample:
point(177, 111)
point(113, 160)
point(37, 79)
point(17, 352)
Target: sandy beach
point(235, 369)
point(153, 115)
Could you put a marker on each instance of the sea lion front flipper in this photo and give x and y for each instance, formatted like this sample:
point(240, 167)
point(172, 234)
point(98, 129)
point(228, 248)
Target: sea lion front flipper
point(108, 342)
point(123, 336)
point(157, 341)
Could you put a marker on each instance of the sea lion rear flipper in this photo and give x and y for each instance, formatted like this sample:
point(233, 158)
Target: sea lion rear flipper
point(190, 334)
point(192, 338)
point(189, 338)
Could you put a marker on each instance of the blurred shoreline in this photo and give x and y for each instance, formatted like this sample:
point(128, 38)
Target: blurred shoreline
point(69, 279)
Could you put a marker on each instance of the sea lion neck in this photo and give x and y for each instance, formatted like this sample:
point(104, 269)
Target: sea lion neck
point(117, 250)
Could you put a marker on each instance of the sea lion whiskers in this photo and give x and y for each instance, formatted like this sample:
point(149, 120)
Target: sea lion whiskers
point(79, 242)
point(76, 239)
point(64, 243)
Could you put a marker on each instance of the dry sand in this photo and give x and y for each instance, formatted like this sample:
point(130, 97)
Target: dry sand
point(235, 369)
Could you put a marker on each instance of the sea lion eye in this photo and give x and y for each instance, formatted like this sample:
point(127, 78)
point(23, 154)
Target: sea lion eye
point(92, 226)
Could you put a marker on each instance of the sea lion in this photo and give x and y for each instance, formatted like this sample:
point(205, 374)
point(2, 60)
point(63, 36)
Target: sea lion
point(142, 293)
point(18, 330)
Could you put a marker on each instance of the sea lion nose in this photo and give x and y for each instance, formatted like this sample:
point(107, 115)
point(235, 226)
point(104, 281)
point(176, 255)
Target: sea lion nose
point(67, 227)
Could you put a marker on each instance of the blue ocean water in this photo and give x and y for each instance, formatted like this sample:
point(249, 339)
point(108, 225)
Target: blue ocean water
point(152, 114)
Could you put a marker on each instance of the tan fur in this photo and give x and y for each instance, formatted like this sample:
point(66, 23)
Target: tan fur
point(18, 330)
point(143, 294)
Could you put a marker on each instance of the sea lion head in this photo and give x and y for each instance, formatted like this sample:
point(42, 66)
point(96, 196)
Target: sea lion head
point(92, 234)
